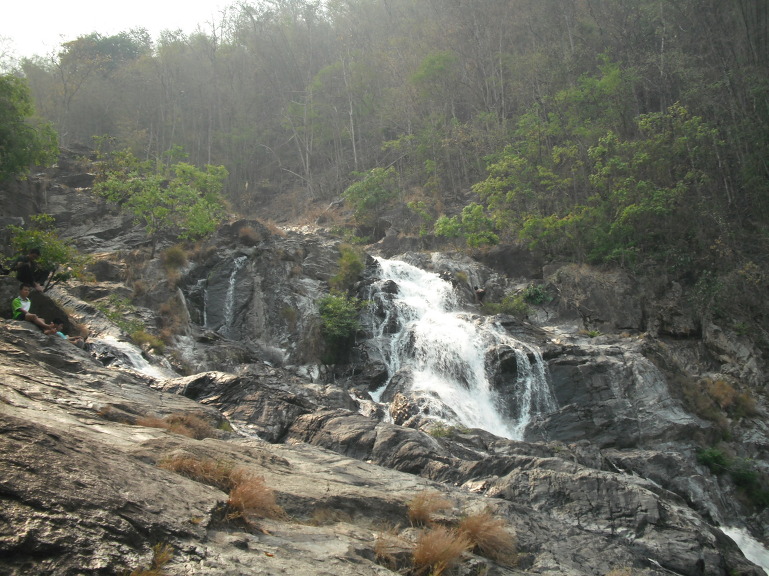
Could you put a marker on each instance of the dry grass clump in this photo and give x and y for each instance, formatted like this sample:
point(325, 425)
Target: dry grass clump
point(180, 423)
point(161, 555)
point(249, 236)
point(424, 505)
point(216, 473)
point(490, 537)
point(251, 498)
point(439, 549)
point(249, 495)
point(174, 258)
point(172, 318)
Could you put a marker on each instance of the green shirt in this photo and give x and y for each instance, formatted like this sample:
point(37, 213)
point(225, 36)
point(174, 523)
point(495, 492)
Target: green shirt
point(20, 307)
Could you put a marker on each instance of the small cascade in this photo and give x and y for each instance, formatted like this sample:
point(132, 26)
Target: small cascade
point(229, 300)
point(453, 357)
point(114, 352)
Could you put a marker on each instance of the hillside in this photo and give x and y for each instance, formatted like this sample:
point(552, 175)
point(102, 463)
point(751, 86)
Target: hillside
point(111, 452)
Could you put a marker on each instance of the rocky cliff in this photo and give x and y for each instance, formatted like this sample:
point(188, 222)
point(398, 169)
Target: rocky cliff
point(114, 456)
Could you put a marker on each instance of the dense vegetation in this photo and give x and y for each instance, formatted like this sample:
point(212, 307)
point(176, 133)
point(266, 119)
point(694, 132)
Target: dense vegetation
point(629, 132)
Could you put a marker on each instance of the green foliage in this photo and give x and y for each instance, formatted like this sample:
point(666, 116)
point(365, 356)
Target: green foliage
point(118, 310)
point(24, 140)
point(537, 295)
point(650, 195)
point(743, 473)
point(182, 200)
point(473, 226)
point(371, 194)
point(512, 304)
point(351, 266)
point(55, 254)
point(426, 219)
point(716, 461)
point(339, 323)
point(339, 315)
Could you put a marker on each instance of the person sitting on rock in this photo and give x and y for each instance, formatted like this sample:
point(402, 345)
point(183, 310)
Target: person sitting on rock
point(21, 305)
point(57, 329)
point(27, 271)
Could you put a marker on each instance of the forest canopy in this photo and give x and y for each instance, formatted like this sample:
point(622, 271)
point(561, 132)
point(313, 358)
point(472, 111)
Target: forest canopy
point(619, 131)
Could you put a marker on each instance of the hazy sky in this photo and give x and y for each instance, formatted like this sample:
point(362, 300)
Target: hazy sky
point(36, 27)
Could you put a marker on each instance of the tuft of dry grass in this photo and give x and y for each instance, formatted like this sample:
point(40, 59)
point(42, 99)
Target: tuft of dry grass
point(389, 548)
point(424, 505)
point(249, 495)
point(249, 236)
point(439, 549)
point(161, 555)
point(180, 423)
point(251, 498)
point(490, 537)
point(215, 473)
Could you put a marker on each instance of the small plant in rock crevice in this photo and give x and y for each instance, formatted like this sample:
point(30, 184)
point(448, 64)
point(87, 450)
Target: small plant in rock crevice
point(161, 555)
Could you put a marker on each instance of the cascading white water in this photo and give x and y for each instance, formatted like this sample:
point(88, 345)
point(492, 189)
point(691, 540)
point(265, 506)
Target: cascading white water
point(448, 352)
point(229, 299)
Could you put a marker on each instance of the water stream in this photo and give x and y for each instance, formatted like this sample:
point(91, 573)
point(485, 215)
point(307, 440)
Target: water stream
point(453, 356)
point(228, 306)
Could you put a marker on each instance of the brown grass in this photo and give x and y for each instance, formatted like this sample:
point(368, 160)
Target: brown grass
point(215, 473)
point(424, 505)
point(251, 498)
point(438, 549)
point(161, 555)
point(490, 537)
point(249, 236)
point(249, 495)
point(180, 423)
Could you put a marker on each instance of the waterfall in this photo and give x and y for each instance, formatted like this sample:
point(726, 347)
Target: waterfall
point(453, 356)
point(229, 300)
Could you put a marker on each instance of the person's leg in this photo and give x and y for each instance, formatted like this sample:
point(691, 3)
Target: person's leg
point(29, 317)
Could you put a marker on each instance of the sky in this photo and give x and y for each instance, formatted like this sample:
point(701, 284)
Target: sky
point(38, 27)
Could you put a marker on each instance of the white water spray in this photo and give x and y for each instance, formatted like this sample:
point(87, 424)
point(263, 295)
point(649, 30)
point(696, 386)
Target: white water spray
point(229, 299)
point(450, 354)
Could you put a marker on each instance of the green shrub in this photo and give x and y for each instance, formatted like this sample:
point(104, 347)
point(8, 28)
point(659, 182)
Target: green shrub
point(537, 295)
point(351, 266)
point(714, 459)
point(512, 304)
point(339, 319)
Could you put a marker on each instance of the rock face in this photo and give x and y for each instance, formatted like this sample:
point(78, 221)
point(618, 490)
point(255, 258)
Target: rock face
point(83, 492)
point(606, 479)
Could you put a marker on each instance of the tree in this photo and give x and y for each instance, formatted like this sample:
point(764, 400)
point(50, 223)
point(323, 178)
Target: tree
point(182, 200)
point(23, 140)
point(473, 226)
point(56, 255)
point(371, 195)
